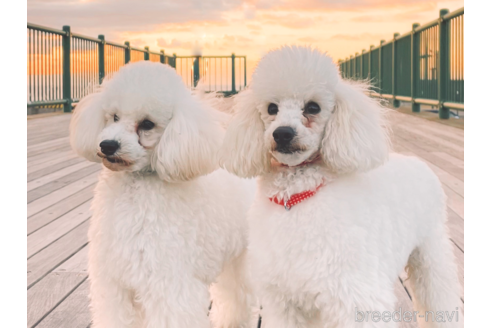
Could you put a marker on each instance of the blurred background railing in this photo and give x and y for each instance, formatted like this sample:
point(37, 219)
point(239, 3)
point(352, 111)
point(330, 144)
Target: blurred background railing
point(423, 66)
point(225, 74)
point(63, 67)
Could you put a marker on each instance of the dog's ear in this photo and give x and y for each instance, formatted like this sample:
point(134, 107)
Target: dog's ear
point(243, 151)
point(356, 138)
point(189, 145)
point(86, 124)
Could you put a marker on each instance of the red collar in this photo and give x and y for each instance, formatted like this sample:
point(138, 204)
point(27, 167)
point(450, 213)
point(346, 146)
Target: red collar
point(296, 198)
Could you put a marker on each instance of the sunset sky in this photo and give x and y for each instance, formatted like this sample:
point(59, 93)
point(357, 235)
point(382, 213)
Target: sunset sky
point(251, 28)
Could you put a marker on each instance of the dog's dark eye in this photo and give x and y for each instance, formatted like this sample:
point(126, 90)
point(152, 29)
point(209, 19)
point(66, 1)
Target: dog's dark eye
point(272, 109)
point(115, 118)
point(312, 108)
point(146, 125)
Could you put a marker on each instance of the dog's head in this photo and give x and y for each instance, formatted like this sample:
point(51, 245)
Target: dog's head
point(145, 119)
point(297, 108)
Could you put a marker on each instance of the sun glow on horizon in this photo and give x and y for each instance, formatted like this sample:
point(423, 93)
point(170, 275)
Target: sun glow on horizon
point(251, 28)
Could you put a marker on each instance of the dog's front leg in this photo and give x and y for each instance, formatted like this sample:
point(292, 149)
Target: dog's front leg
point(177, 303)
point(111, 304)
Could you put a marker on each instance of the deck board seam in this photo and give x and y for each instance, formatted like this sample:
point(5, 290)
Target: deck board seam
point(55, 266)
point(59, 302)
point(58, 217)
point(62, 186)
point(39, 250)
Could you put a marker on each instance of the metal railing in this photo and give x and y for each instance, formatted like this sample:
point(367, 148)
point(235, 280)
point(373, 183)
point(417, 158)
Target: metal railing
point(225, 74)
point(424, 66)
point(63, 67)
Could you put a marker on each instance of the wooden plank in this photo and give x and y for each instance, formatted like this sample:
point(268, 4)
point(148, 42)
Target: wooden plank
point(52, 168)
point(427, 144)
point(53, 128)
point(77, 263)
point(61, 182)
point(42, 135)
point(432, 131)
point(50, 124)
point(44, 157)
point(395, 116)
point(57, 228)
point(455, 201)
point(56, 175)
point(404, 303)
point(44, 202)
point(73, 312)
point(40, 151)
point(446, 166)
point(43, 297)
point(453, 160)
point(53, 212)
point(460, 262)
point(447, 179)
point(40, 138)
point(42, 121)
point(434, 127)
point(49, 144)
point(59, 251)
point(456, 229)
point(439, 143)
point(61, 157)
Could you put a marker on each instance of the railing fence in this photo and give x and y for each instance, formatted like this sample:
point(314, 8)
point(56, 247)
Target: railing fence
point(424, 66)
point(63, 67)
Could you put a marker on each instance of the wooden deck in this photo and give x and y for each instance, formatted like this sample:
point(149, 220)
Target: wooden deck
point(59, 192)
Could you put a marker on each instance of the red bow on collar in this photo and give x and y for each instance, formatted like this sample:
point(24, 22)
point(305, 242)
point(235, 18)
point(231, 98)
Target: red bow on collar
point(296, 198)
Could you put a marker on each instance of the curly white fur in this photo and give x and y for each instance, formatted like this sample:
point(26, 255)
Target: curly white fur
point(343, 248)
point(162, 230)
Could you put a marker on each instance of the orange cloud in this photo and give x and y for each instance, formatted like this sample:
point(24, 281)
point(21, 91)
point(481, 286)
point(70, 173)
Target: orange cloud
point(292, 20)
point(308, 39)
point(254, 27)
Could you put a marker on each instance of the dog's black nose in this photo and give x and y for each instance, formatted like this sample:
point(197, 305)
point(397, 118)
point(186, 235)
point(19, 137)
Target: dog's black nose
point(283, 135)
point(109, 147)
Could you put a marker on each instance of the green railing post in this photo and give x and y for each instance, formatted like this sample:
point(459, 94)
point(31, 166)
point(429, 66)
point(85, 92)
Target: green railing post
point(414, 71)
point(396, 103)
point(233, 72)
point(356, 72)
point(362, 63)
point(174, 60)
point(67, 82)
point(162, 57)
point(380, 85)
point(147, 53)
point(350, 66)
point(101, 47)
point(128, 52)
point(245, 72)
point(442, 63)
point(370, 64)
point(196, 71)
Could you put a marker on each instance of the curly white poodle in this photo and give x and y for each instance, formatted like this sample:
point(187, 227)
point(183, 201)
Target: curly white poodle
point(335, 218)
point(162, 230)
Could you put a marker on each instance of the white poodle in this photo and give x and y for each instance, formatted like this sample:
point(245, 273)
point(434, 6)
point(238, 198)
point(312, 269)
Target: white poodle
point(161, 231)
point(335, 217)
